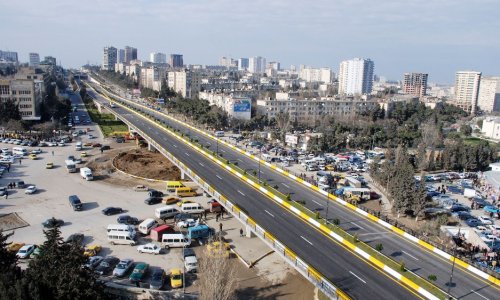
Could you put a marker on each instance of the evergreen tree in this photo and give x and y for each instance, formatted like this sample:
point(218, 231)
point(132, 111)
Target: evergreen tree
point(420, 199)
point(422, 156)
point(11, 276)
point(431, 166)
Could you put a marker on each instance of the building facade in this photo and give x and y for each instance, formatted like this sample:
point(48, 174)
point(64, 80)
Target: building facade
point(180, 82)
point(26, 93)
point(121, 56)
point(491, 128)
point(323, 75)
point(9, 56)
point(152, 77)
point(109, 58)
point(489, 94)
point(415, 84)
point(467, 90)
point(356, 76)
point(34, 59)
point(130, 54)
point(242, 64)
point(176, 61)
point(158, 58)
point(238, 107)
point(257, 65)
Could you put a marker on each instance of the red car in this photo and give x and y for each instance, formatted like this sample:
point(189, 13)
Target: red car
point(96, 145)
point(374, 195)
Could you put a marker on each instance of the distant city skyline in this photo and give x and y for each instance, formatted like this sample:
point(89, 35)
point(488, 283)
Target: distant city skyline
point(438, 38)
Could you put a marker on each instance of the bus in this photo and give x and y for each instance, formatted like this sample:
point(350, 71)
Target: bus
point(219, 133)
point(357, 194)
point(19, 151)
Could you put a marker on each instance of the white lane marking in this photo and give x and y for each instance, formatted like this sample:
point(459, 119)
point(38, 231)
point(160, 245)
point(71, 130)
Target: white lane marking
point(241, 192)
point(261, 172)
point(269, 213)
point(479, 295)
point(357, 225)
point(306, 240)
point(202, 165)
point(221, 150)
point(357, 277)
point(285, 185)
point(317, 202)
point(174, 145)
point(409, 255)
point(218, 177)
point(187, 154)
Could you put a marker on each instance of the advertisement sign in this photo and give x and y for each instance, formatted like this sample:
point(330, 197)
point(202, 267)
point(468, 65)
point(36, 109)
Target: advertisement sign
point(291, 139)
point(242, 105)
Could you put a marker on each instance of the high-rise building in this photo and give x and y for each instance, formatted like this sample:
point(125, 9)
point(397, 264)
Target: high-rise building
point(228, 62)
point(489, 94)
point(130, 54)
point(34, 59)
point(176, 61)
point(158, 58)
point(467, 90)
point(257, 64)
point(50, 60)
point(316, 75)
point(275, 65)
point(180, 82)
point(109, 58)
point(415, 84)
point(356, 76)
point(242, 64)
point(121, 56)
point(8, 56)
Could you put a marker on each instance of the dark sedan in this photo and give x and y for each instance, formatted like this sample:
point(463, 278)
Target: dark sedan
point(107, 265)
point(108, 211)
point(53, 222)
point(126, 219)
point(153, 200)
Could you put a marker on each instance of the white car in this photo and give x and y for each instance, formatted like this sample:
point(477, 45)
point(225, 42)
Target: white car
point(187, 223)
point(149, 248)
point(74, 134)
point(485, 220)
point(30, 190)
point(25, 251)
point(61, 144)
point(90, 136)
point(36, 151)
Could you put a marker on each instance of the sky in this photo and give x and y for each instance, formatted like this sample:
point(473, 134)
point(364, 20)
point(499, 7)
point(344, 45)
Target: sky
point(437, 37)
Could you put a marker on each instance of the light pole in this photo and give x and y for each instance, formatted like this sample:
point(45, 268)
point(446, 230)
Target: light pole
point(453, 265)
point(260, 153)
point(217, 147)
point(327, 205)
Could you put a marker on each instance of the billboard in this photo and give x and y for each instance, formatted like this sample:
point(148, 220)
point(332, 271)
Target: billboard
point(242, 105)
point(291, 139)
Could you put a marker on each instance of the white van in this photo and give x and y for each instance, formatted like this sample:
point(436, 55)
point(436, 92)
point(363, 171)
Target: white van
point(192, 208)
point(121, 228)
point(191, 264)
point(121, 238)
point(171, 240)
point(19, 151)
point(78, 146)
point(166, 212)
point(146, 225)
point(219, 133)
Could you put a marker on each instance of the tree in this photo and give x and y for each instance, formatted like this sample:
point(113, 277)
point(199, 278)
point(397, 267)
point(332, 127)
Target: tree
point(58, 257)
point(9, 110)
point(282, 124)
point(466, 130)
point(217, 276)
point(420, 201)
point(11, 275)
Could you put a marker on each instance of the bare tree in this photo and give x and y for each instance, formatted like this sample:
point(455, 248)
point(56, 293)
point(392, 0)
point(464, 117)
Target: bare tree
point(217, 276)
point(283, 124)
point(430, 134)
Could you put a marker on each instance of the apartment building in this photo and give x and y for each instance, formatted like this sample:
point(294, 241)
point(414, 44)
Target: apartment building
point(180, 82)
point(109, 58)
point(176, 61)
point(257, 65)
point(158, 58)
point(130, 54)
point(323, 75)
point(467, 90)
point(238, 107)
point(491, 128)
point(356, 76)
point(489, 94)
point(34, 59)
point(152, 77)
point(415, 84)
point(9, 56)
point(26, 93)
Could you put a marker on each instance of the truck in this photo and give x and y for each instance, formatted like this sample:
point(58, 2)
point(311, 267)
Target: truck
point(157, 233)
point(86, 174)
point(70, 166)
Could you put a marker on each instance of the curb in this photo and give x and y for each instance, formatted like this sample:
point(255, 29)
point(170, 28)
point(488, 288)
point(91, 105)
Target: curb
point(248, 265)
point(261, 258)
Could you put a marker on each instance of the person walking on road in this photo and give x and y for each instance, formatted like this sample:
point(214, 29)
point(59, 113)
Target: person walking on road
point(241, 232)
point(220, 227)
point(20, 161)
point(6, 194)
point(52, 153)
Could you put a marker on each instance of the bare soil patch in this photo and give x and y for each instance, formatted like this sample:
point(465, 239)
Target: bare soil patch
point(143, 163)
point(11, 221)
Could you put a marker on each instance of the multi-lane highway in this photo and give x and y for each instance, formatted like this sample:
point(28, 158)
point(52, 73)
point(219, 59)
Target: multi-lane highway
point(354, 276)
point(465, 285)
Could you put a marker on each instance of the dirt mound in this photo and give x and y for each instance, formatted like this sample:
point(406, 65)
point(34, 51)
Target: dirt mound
point(147, 164)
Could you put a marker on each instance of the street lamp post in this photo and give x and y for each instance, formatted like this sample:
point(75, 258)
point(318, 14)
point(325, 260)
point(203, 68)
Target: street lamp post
point(217, 146)
point(260, 153)
point(327, 205)
point(453, 265)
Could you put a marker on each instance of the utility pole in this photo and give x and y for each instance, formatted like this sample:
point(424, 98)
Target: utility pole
point(453, 265)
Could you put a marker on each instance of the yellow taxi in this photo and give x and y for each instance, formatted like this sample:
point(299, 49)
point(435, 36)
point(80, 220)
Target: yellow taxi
point(83, 154)
point(92, 250)
point(14, 247)
point(49, 165)
point(330, 168)
point(33, 156)
point(179, 203)
point(175, 278)
point(170, 200)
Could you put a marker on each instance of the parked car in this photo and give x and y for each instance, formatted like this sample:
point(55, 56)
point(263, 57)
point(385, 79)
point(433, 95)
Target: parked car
point(157, 279)
point(141, 188)
point(175, 278)
point(94, 261)
point(155, 193)
point(76, 238)
point(49, 165)
point(170, 200)
point(126, 219)
point(149, 248)
point(106, 265)
point(53, 222)
point(108, 211)
point(462, 215)
point(139, 272)
point(486, 220)
point(30, 190)
point(92, 250)
point(3, 190)
point(14, 246)
point(35, 252)
point(473, 222)
point(153, 200)
point(188, 252)
point(25, 251)
point(183, 216)
point(187, 223)
point(123, 267)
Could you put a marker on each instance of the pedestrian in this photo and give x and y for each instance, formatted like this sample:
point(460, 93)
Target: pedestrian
point(217, 217)
point(6, 194)
point(205, 214)
point(20, 161)
point(102, 150)
point(8, 168)
point(220, 227)
point(52, 153)
point(241, 232)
